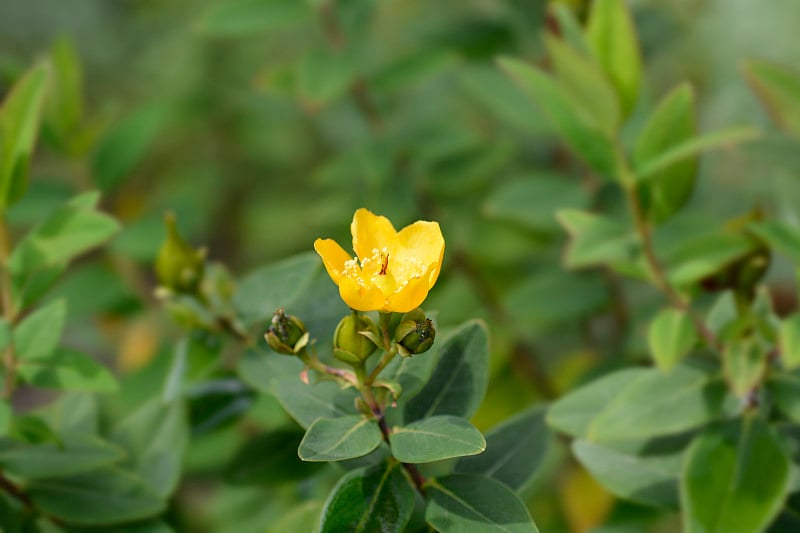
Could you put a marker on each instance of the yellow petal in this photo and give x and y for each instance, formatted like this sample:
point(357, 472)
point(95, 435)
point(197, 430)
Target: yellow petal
point(409, 296)
point(333, 256)
point(421, 243)
point(371, 232)
point(358, 297)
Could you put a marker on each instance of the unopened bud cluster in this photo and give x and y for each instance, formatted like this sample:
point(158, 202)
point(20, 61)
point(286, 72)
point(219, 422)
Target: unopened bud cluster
point(286, 334)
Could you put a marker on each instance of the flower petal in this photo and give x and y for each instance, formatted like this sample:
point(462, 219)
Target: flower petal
point(423, 243)
point(358, 297)
point(333, 256)
point(409, 297)
point(371, 232)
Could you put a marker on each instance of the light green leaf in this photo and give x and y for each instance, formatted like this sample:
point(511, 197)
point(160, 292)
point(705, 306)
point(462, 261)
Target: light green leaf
point(734, 482)
point(584, 138)
point(434, 439)
point(261, 292)
point(155, 437)
point(598, 240)
point(68, 370)
point(475, 503)
point(69, 231)
point(365, 500)
point(778, 87)
point(73, 412)
point(573, 413)
point(458, 382)
point(531, 200)
point(656, 404)
point(671, 335)
point(73, 454)
point(37, 336)
point(106, 496)
point(612, 36)
point(125, 145)
point(303, 517)
point(6, 335)
point(336, 439)
point(780, 236)
point(647, 475)
point(672, 123)
point(745, 361)
point(64, 108)
point(514, 450)
point(570, 28)
point(689, 148)
point(20, 114)
point(324, 76)
point(245, 17)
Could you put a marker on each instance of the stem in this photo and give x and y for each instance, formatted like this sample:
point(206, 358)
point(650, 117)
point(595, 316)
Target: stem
point(313, 362)
point(383, 363)
point(657, 273)
point(8, 311)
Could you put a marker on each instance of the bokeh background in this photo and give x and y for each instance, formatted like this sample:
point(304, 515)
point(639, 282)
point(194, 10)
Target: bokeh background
point(264, 124)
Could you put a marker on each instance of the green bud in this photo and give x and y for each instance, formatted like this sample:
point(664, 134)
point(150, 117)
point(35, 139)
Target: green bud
point(286, 334)
point(415, 334)
point(179, 267)
point(349, 345)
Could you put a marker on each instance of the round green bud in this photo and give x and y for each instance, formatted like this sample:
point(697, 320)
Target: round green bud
point(178, 266)
point(286, 334)
point(349, 345)
point(415, 334)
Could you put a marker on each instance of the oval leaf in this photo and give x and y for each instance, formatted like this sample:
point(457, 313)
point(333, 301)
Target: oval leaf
point(72, 455)
point(335, 439)
point(670, 335)
point(435, 439)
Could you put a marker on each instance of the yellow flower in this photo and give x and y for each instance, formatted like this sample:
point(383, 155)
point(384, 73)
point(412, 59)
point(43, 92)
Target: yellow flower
point(392, 271)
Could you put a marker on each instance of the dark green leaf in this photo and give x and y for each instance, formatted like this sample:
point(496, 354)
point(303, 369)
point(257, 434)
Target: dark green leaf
point(785, 392)
point(734, 482)
point(74, 454)
point(435, 439)
point(20, 114)
point(64, 111)
point(475, 503)
point(458, 383)
point(336, 439)
point(269, 458)
point(655, 404)
point(155, 436)
point(573, 414)
point(514, 449)
point(105, 496)
point(377, 499)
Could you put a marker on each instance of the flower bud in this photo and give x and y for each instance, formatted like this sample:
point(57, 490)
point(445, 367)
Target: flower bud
point(415, 334)
point(179, 267)
point(286, 334)
point(350, 346)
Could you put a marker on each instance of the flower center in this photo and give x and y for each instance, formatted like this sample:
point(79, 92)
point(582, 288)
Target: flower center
point(384, 264)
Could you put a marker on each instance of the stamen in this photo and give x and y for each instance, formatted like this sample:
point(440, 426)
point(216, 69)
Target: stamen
point(384, 264)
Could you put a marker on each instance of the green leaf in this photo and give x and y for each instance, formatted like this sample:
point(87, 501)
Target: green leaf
point(514, 449)
point(324, 76)
point(573, 414)
point(260, 293)
point(434, 439)
point(569, 28)
point(612, 36)
point(784, 390)
point(745, 362)
point(6, 417)
point(588, 87)
point(778, 87)
point(647, 475)
point(734, 482)
point(303, 517)
point(64, 111)
point(671, 335)
point(155, 437)
point(125, 145)
point(458, 382)
point(335, 439)
point(68, 370)
point(69, 231)
point(656, 404)
point(530, 201)
point(672, 123)
point(689, 148)
point(245, 17)
point(73, 412)
point(105, 496)
point(780, 236)
point(475, 503)
point(704, 254)
point(251, 465)
point(597, 240)
point(74, 454)
point(375, 499)
point(584, 138)
point(37, 336)
point(19, 123)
